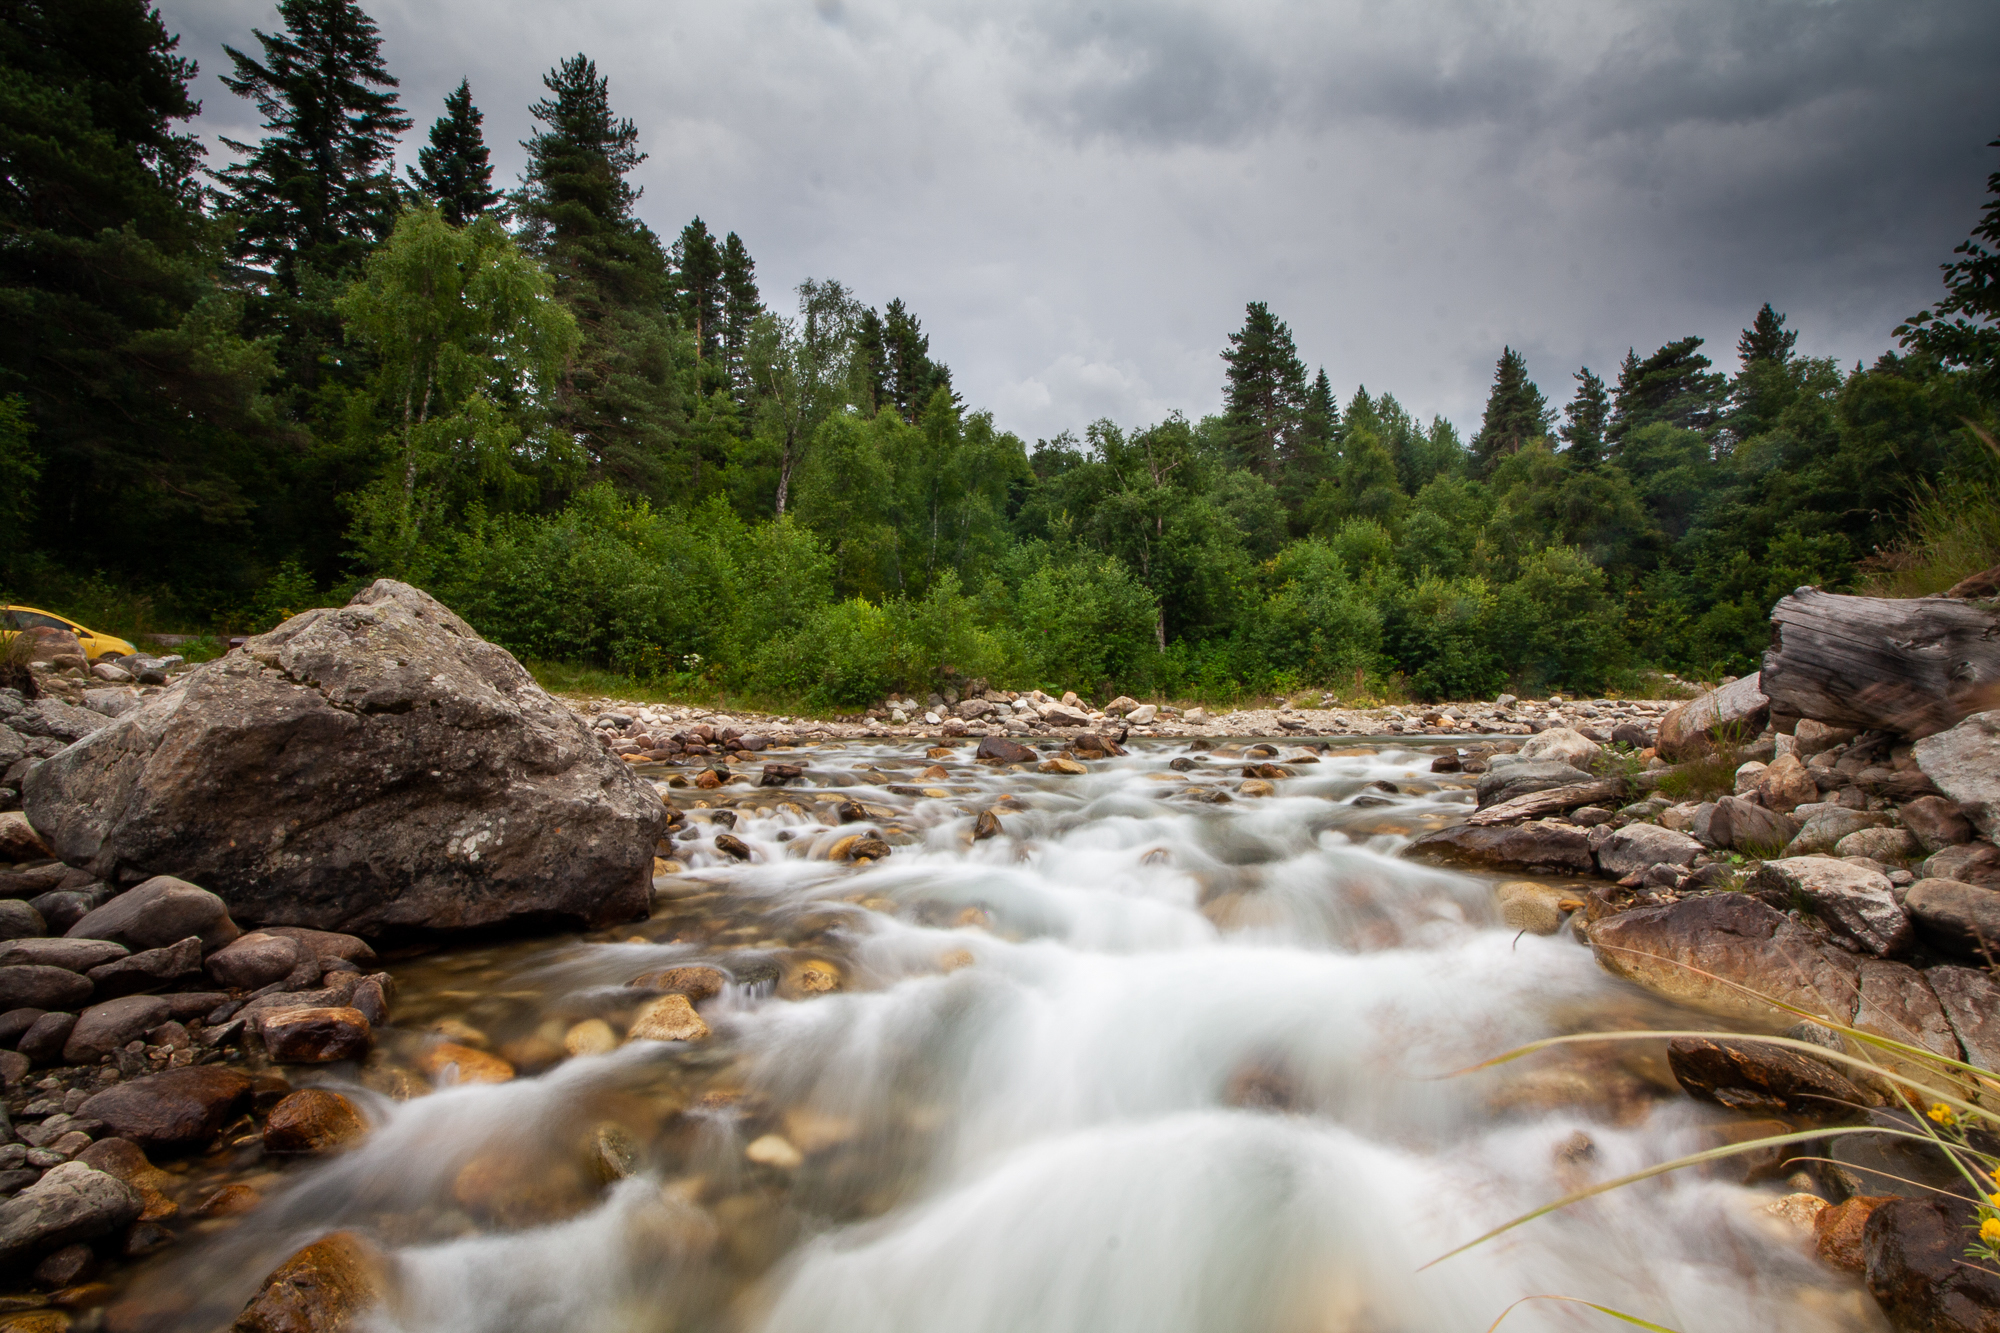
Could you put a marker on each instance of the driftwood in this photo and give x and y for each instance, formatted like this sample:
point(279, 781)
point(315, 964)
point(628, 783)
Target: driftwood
point(1552, 801)
point(1910, 665)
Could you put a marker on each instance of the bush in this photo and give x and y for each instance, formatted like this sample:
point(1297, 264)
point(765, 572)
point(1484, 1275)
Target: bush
point(1440, 636)
point(1555, 624)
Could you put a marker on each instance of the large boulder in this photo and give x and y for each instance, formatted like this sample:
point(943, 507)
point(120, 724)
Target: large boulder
point(1758, 1078)
point(181, 1108)
point(1744, 826)
point(1541, 844)
point(1964, 763)
point(1510, 777)
point(72, 1202)
point(1855, 902)
point(1567, 744)
point(162, 911)
point(1739, 710)
point(1638, 847)
point(1725, 950)
point(1914, 1253)
point(375, 768)
point(1956, 918)
point(1976, 862)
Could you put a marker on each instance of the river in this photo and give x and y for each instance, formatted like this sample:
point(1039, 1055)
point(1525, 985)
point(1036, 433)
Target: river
point(1144, 1063)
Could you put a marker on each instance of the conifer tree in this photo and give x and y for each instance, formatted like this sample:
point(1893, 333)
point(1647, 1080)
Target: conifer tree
point(1264, 391)
point(1767, 338)
point(698, 285)
point(317, 190)
point(1584, 420)
point(1673, 385)
point(740, 308)
point(1516, 413)
point(622, 395)
point(911, 377)
point(1964, 328)
point(871, 363)
point(454, 171)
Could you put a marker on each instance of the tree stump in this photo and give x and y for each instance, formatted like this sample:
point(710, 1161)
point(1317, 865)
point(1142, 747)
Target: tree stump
point(1911, 665)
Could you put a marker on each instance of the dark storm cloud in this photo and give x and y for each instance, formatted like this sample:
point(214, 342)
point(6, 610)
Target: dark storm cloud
point(1079, 198)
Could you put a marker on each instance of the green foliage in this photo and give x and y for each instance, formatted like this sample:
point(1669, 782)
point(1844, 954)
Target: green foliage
point(455, 171)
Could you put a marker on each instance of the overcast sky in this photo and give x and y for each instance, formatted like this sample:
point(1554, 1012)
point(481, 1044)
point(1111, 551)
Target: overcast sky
point(1078, 198)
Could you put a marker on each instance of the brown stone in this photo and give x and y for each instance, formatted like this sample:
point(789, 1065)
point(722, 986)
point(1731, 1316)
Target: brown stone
point(124, 1159)
point(1936, 822)
point(999, 749)
point(1785, 785)
point(180, 1108)
point(1913, 1252)
point(669, 1018)
point(1735, 939)
point(986, 826)
point(316, 1036)
point(1837, 1230)
point(1740, 709)
point(1535, 845)
point(327, 1287)
point(1759, 1078)
point(696, 982)
point(313, 1120)
point(466, 1064)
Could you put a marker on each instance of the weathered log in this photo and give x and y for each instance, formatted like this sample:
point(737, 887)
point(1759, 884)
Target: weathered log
point(1983, 584)
point(1552, 801)
point(1910, 665)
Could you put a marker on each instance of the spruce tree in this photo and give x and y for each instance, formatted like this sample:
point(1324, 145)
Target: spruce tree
point(740, 308)
point(622, 396)
point(1964, 328)
point(698, 286)
point(1516, 413)
point(454, 171)
point(1767, 338)
point(1584, 420)
point(1264, 392)
point(911, 377)
point(1673, 385)
point(317, 190)
point(871, 363)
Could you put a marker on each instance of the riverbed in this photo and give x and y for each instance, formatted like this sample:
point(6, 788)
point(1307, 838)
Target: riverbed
point(1158, 1058)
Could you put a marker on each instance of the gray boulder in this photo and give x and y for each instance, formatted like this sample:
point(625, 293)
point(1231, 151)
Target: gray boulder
point(1956, 917)
point(1971, 1004)
point(1542, 844)
point(1827, 825)
point(373, 768)
point(72, 1202)
point(1855, 902)
point(1964, 763)
point(57, 721)
point(1510, 777)
point(1936, 822)
point(162, 911)
point(1970, 862)
point(1636, 847)
point(1739, 708)
point(1743, 826)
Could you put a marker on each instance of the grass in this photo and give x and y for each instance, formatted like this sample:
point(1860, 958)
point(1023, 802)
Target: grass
point(1955, 533)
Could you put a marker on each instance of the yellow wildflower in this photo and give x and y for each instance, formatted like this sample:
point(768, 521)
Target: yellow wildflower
point(1989, 1231)
point(1943, 1114)
point(1993, 1199)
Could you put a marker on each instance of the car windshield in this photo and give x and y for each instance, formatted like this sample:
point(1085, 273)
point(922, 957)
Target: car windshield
point(36, 620)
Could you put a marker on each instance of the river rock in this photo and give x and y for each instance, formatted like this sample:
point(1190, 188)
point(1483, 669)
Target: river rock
point(58, 721)
point(987, 825)
point(1896, 1002)
point(1143, 715)
point(63, 908)
point(1837, 1231)
point(259, 959)
point(1785, 784)
point(1541, 844)
point(669, 1018)
point(1003, 751)
point(18, 839)
point(1958, 918)
point(147, 971)
point(162, 911)
point(463, 1064)
point(326, 945)
point(1879, 844)
point(73, 955)
point(1913, 1252)
point(29, 986)
point(1758, 1078)
point(1738, 939)
point(1971, 1004)
point(72, 1202)
point(1970, 863)
point(1743, 826)
point(1936, 822)
point(180, 1108)
point(124, 1159)
point(327, 1287)
point(19, 920)
point(103, 1028)
point(313, 1120)
point(1963, 762)
point(1826, 825)
point(1535, 908)
point(696, 982)
point(1564, 745)
point(1523, 777)
point(1856, 903)
point(1639, 847)
point(315, 1036)
point(46, 1038)
point(372, 768)
point(1741, 708)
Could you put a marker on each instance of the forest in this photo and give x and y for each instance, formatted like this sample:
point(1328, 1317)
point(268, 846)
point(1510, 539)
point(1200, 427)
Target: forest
point(232, 391)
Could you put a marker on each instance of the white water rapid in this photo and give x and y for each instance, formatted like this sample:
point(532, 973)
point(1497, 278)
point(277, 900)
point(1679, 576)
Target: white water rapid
point(1142, 1064)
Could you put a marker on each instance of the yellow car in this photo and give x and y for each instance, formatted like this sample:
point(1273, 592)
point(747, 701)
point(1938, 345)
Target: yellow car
point(96, 647)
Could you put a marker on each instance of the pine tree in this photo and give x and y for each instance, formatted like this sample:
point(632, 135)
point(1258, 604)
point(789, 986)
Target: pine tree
point(910, 377)
point(740, 308)
point(871, 363)
point(1313, 451)
point(454, 171)
point(1584, 420)
point(1767, 338)
point(1673, 385)
point(623, 396)
point(1964, 328)
point(317, 190)
point(1516, 413)
point(1264, 391)
point(698, 285)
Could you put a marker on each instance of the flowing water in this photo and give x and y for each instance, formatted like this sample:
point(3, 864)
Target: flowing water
point(1144, 1063)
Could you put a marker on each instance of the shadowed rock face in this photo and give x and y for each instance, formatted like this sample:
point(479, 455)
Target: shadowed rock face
point(373, 768)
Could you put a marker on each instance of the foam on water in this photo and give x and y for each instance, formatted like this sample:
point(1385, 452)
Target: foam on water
point(1186, 1084)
